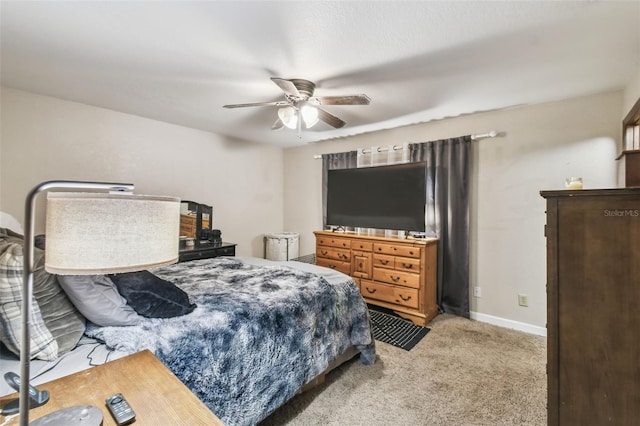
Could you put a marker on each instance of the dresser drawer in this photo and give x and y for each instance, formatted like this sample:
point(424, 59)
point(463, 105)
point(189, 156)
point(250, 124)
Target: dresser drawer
point(396, 277)
point(384, 261)
point(396, 250)
point(333, 253)
point(408, 264)
point(334, 242)
point(362, 245)
point(207, 252)
point(397, 295)
point(344, 267)
point(361, 264)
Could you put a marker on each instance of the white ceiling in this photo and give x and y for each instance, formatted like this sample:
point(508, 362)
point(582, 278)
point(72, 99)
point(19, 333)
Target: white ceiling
point(180, 61)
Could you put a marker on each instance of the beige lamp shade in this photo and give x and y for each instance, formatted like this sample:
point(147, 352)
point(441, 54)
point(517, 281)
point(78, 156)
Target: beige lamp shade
point(95, 233)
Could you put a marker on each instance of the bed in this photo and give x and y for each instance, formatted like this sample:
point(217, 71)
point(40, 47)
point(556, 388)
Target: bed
point(257, 332)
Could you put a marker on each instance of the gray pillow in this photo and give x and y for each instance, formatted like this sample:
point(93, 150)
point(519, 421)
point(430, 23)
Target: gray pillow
point(97, 298)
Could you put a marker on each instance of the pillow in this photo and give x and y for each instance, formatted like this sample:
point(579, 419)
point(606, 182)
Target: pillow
point(43, 345)
point(60, 317)
point(97, 298)
point(152, 296)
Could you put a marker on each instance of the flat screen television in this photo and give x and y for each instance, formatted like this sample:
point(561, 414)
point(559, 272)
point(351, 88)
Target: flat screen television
point(382, 197)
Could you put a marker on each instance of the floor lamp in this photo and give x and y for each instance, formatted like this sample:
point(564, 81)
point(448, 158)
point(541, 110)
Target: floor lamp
point(93, 233)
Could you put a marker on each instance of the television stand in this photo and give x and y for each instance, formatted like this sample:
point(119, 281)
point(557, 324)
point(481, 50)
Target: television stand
point(395, 273)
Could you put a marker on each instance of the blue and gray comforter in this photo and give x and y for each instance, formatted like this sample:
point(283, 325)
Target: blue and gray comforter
point(258, 334)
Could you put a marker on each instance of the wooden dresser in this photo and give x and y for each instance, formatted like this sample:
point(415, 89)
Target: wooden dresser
point(399, 274)
point(593, 320)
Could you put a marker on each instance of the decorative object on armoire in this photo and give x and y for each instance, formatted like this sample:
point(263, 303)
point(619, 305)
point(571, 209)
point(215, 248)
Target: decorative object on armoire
point(593, 289)
point(92, 233)
point(573, 183)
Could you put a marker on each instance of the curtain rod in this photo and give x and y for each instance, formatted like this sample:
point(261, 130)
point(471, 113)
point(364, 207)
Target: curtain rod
point(476, 137)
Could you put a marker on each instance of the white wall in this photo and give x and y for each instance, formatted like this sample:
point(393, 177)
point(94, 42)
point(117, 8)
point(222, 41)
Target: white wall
point(44, 138)
point(541, 146)
point(631, 94)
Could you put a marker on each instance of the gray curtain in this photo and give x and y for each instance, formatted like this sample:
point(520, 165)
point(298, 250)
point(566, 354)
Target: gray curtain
point(448, 185)
point(339, 160)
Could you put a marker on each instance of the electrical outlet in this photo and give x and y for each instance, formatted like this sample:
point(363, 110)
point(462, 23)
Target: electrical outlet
point(477, 291)
point(523, 300)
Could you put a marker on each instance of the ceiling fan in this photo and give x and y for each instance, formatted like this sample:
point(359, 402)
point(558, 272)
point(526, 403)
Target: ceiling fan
point(299, 101)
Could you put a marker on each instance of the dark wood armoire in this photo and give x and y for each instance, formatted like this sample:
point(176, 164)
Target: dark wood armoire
point(593, 315)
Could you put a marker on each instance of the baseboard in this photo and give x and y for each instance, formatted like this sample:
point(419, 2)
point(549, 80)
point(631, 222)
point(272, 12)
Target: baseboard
point(507, 323)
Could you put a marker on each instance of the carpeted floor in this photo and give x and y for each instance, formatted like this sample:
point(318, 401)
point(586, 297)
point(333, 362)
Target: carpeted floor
point(463, 373)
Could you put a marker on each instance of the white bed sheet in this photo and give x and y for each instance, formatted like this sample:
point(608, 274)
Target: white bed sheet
point(87, 354)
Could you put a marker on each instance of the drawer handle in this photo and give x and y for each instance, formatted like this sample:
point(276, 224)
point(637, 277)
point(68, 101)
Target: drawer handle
point(411, 253)
point(405, 299)
point(342, 256)
point(332, 266)
point(360, 265)
point(384, 262)
point(370, 291)
point(361, 246)
point(407, 265)
point(394, 279)
point(324, 253)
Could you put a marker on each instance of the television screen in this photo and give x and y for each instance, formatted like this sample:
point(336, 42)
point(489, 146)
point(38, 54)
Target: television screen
point(383, 197)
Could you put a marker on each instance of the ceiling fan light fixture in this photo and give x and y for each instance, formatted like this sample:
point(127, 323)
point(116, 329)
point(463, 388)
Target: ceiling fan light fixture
point(309, 115)
point(289, 116)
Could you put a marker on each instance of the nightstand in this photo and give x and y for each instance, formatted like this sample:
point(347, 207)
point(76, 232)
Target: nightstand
point(206, 250)
point(154, 393)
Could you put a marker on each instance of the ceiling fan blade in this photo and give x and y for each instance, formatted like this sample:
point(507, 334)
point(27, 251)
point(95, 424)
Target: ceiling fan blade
point(255, 104)
point(277, 125)
point(341, 100)
point(287, 86)
point(330, 119)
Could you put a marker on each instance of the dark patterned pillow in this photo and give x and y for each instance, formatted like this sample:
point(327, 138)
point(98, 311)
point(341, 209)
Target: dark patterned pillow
point(151, 296)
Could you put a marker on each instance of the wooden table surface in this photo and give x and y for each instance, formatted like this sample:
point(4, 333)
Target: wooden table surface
point(154, 393)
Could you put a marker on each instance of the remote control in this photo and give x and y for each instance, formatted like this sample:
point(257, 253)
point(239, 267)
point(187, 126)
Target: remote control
point(120, 409)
